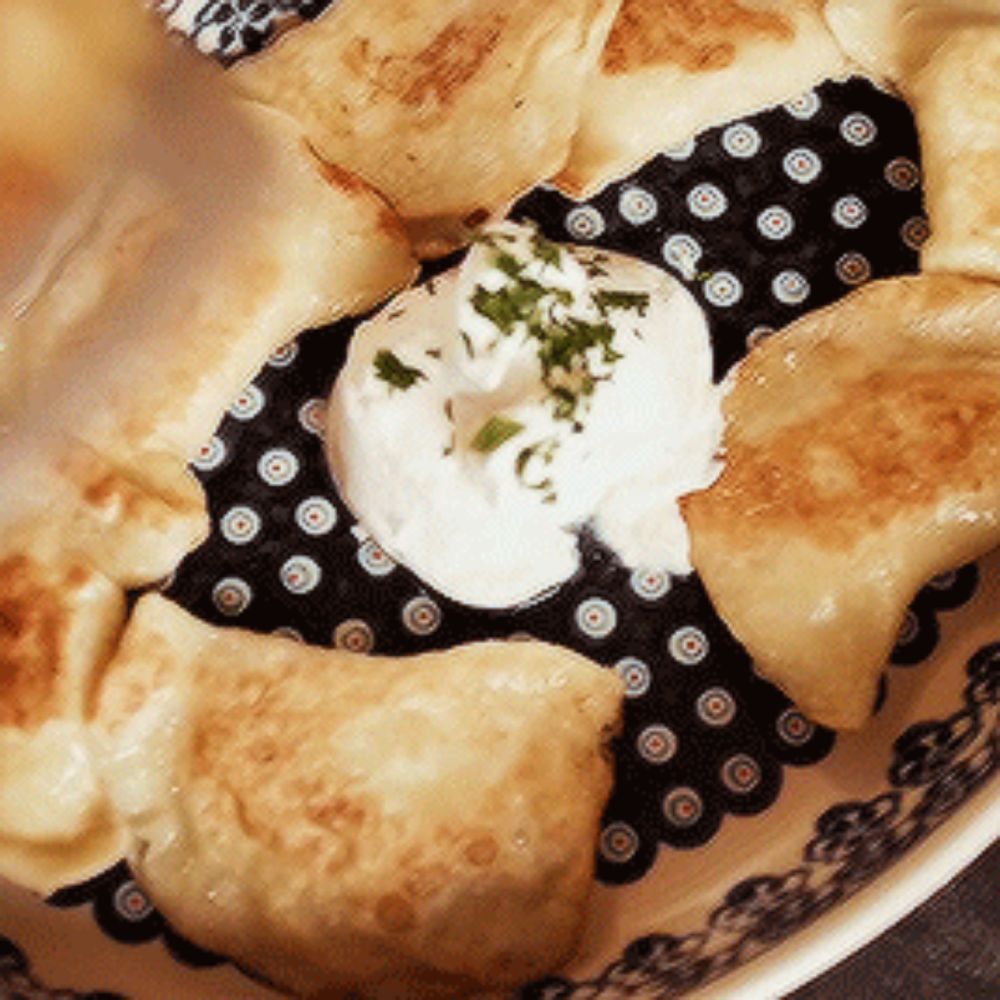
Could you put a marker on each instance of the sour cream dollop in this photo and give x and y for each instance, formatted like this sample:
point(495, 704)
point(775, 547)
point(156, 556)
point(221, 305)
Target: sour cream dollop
point(483, 418)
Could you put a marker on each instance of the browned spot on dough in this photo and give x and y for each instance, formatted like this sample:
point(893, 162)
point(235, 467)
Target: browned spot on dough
point(482, 851)
point(25, 193)
point(425, 881)
point(697, 35)
point(387, 220)
point(394, 913)
point(33, 625)
point(440, 70)
point(889, 443)
point(476, 217)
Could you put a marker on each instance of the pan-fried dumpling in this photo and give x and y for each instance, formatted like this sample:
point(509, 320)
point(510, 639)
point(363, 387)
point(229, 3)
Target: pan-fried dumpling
point(309, 243)
point(58, 619)
point(449, 109)
point(672, 68)
point(348, 825)
point(151, 279)
point(944, 56)
point(861, 453)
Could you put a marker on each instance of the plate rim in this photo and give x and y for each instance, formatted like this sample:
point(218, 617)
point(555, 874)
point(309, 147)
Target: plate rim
point(846, 929)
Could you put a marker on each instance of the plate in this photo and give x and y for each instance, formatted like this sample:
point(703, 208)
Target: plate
point(744, 848)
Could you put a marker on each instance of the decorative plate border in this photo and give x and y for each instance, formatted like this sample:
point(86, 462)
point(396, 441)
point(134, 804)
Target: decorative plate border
point(937, 765)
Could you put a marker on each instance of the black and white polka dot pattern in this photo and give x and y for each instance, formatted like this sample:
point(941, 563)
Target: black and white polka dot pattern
point(758, 244)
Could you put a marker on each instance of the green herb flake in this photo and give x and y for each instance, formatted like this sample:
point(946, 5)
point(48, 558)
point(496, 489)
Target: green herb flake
point(508, 264)
point(433, 352)
point(495, 432)
point(467, 340)
point(509, 305)
point(398, 375)
point(607, 299)
point(546, 251)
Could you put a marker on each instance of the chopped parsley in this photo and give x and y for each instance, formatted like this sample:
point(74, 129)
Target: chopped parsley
point(546, 251)
point(606, 299)
point(514, 303)
point(544, 450)
point(495, 432)
point(390, 369)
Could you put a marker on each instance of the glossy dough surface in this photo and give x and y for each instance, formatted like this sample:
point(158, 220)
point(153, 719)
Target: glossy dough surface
point(672, 68)
point(147, 286)
point(861, 450)
point(451, 110)
point(338, 822)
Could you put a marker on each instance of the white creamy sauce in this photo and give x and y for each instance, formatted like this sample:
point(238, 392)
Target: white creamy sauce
point(483, 418)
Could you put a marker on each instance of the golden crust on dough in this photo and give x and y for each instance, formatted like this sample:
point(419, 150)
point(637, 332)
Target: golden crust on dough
point(144, 294)
point(673, 68)
point(361, 823)
point(450, 110)
point(697, 35)
point(861, 449)
point(58, 620)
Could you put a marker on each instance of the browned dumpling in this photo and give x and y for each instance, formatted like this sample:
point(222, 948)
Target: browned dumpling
point(143, 284)
point(58, 618)
point(672, 68)
point(350, 825)
point(861, 453)
point(449, 109)
point(944, 56)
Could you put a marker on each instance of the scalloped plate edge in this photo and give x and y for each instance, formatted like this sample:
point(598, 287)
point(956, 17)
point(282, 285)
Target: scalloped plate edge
point(857, 922)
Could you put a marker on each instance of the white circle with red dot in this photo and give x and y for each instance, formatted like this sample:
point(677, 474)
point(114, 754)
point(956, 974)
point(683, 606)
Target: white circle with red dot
point(853, 268)
point(902, 173)
point(619, 842)
point(277, 467)
point(740, 774)
point(248, 404)
point(775, 223)
point(683, 807)
point(355, 635)
point(790, 287)
point(584, 222)
point(240, 525)
point(858, 129)
point(741, 141)
point(850, 212)
point(802, 165)
point(656, 744)
point(283, 356)
point(210, 455)
point(421, 615)
point(300, 574)
point(688, 645)
point(716, 707)
point(637, 205)
point(650, 584)
point(596, 618)
point(794, 728)
point(374, 560)
point(723, 289)
point(316, 516)
point(312, 416)
point(635, 675)
point(232, 595)
point(707, 201)
point(682, 252)
point(804, 106)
